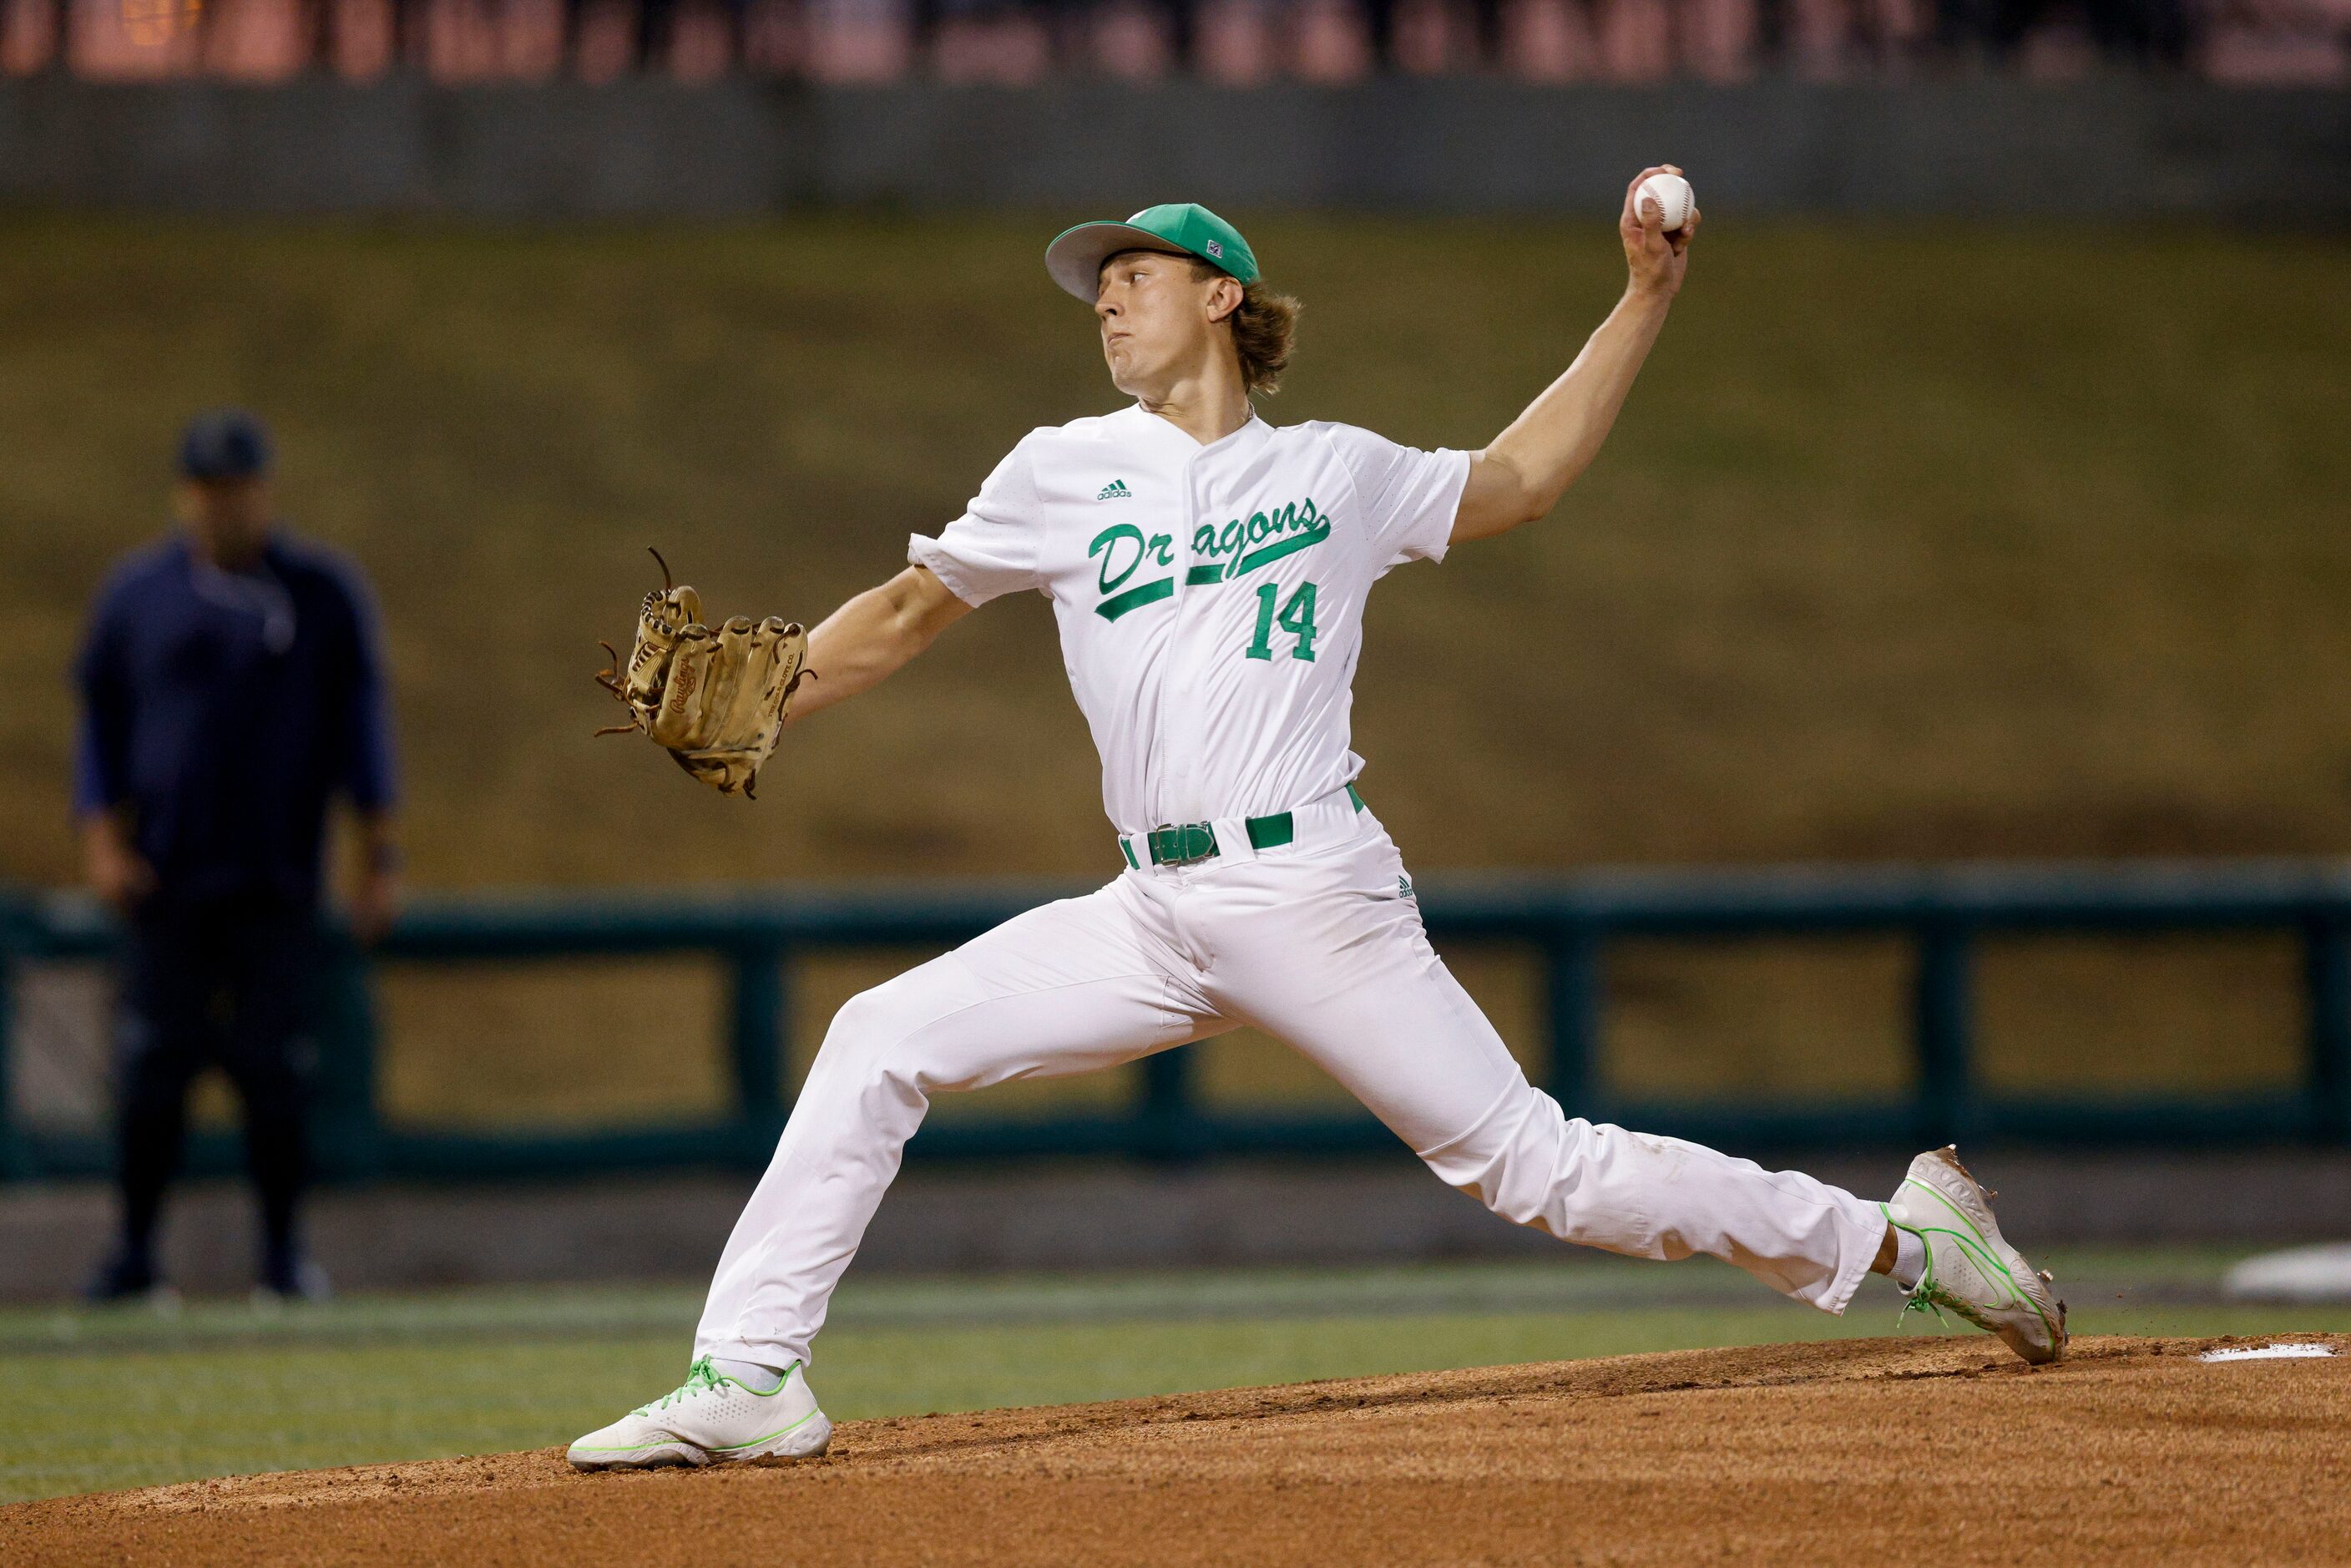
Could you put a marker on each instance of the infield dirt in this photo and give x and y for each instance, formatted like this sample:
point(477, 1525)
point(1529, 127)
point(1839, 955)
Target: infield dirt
point(1939, 1449)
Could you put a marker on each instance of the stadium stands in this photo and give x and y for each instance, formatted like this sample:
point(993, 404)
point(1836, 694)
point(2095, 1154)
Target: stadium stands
point(1233, 42)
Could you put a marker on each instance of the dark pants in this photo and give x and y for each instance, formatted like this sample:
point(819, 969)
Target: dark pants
point(225, 984)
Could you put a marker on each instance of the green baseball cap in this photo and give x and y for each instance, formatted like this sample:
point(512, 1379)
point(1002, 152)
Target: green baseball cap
point(1187, 228)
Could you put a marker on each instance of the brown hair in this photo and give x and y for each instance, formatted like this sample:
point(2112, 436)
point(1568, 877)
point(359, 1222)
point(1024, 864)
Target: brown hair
point(1265, 328)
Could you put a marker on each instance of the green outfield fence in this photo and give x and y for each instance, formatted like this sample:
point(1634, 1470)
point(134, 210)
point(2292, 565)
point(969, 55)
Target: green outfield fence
point(1569, 921)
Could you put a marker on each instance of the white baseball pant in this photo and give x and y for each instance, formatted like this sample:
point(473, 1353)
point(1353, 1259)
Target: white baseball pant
point(1317, 943)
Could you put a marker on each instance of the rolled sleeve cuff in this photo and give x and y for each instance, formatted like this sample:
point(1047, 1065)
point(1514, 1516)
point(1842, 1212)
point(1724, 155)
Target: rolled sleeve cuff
point(927, 552)
point(1431, 534)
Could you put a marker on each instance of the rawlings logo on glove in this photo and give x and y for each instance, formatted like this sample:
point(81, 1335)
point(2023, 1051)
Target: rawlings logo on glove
point(714, 700)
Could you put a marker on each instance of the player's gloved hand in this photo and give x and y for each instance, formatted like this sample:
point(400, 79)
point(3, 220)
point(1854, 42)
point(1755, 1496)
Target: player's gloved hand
point(714, 700)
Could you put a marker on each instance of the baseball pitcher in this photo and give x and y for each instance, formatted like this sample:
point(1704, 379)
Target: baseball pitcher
point(1208, 572)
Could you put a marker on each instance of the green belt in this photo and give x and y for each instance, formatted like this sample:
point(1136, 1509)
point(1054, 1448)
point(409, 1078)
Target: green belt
point(1188, 844)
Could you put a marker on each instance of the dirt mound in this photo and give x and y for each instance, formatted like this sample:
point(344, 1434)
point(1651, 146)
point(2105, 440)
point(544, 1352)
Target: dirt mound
point(1857, 1451)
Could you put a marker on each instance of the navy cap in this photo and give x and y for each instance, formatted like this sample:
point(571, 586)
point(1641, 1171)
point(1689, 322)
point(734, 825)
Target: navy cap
point(224, 444)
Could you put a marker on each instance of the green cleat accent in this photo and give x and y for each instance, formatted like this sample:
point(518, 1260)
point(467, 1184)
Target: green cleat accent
point(1971, 1270)
point(712, 1418)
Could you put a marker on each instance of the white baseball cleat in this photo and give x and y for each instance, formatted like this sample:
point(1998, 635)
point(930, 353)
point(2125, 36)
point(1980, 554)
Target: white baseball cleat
point(1970, 1268)
point(712, 1418)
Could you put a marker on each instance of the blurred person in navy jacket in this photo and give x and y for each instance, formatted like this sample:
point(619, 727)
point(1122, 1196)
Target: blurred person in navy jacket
point(232, 684)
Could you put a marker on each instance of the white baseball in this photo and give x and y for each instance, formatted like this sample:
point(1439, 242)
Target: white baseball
point(1673, 197)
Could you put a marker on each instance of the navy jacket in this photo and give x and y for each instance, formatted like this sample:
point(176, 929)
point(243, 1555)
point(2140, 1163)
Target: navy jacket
point(225, 709)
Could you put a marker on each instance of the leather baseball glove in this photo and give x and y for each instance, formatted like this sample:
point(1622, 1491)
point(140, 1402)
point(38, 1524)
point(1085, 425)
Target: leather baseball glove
point(714, 700)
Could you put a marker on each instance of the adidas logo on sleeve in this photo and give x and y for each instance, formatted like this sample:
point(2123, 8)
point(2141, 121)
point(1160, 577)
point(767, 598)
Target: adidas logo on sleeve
point(1116, 490)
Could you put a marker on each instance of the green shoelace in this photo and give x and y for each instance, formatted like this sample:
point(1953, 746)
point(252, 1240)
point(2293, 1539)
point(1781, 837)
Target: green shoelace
point(1928, 1295)
point(1920, 1297)
point(700, 1378)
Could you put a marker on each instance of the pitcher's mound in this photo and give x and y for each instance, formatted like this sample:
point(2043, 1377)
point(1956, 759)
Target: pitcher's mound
point(1870, 1451)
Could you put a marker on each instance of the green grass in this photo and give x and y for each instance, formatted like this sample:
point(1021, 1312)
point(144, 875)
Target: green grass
point(109, 1399)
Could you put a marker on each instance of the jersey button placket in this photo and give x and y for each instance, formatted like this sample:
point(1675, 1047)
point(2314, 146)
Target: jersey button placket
point(1157, 786)
point(1179, 743)
point(1182, 710)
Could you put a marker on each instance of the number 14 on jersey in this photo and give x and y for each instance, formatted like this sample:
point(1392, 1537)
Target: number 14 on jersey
point(1296, 617)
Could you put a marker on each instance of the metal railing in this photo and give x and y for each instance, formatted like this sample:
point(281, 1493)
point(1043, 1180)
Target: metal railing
point(1569, 921)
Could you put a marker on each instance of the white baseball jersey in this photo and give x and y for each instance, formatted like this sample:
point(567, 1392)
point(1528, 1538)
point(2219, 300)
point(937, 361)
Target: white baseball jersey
point(1211, 602)
point(1210, 598)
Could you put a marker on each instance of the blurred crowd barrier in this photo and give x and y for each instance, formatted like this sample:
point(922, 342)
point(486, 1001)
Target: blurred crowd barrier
point(1230, 42)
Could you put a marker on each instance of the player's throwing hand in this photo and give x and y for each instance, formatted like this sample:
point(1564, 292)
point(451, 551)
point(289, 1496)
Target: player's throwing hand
point(1656, 255)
